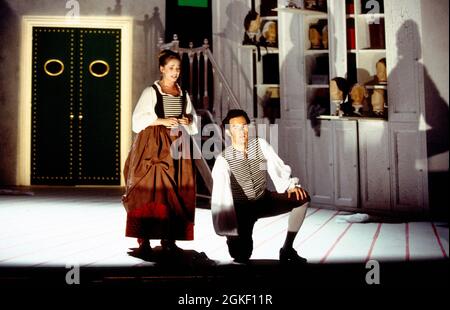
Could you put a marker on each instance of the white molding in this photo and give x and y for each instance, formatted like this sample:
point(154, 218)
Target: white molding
point(125, 24)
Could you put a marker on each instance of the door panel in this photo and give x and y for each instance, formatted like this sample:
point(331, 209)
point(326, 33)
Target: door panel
point(320, 165)
point(52, 128)
point(99, 107)
point(374, 160)
point(408, 169)
point(75, 110)
point(345, 164)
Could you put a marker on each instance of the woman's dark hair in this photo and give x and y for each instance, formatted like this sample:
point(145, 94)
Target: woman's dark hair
point(166, 55)
point(251, 15)
point(343, 86)
point(235, 113)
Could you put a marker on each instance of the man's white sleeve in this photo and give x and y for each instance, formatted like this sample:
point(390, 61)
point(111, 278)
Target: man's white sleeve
point(279, 172)
point(222, 207)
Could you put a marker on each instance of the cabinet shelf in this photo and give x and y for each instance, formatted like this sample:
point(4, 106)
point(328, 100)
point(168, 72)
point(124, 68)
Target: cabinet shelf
point(314, 52)
point(370, 50)
point(377, 86)
point(370, 15)
point(267, 85)
point(264, 50)
point(350, 118)
point(317, 86)
point(311, 13)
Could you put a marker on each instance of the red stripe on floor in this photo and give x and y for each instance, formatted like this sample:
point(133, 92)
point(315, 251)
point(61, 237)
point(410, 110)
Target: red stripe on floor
point(335, 243)
point(439, 241)
point(374, 240)
point(281, 231)
point(407, 254)
point(315, 232)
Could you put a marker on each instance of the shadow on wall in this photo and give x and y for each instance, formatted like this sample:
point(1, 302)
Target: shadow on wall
point(153, 30)
point(436, 114)
point(117, 9)
point(9, 77)
point(232, 35)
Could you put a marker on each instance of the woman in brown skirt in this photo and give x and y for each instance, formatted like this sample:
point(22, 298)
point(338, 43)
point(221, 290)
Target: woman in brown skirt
point(159, 172)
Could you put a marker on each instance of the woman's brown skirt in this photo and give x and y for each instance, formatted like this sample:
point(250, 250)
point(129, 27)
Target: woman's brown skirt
point(160, 189)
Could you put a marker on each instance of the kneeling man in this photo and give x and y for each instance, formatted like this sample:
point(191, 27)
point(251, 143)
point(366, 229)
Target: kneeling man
point(240, 197)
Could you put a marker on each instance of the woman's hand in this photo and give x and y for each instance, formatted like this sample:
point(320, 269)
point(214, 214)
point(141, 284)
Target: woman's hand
point(185, 119)
point(168, 122)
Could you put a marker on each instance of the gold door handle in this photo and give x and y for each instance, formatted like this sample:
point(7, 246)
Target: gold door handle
point(71, 116)
point(80, 116)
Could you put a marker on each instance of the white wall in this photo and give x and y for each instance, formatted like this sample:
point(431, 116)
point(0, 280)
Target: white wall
point(235, 61)
point(435, 59)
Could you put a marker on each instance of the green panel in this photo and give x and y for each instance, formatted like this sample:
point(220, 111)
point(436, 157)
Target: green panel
point(99, 104)
point(194, 3)
point(52, 103)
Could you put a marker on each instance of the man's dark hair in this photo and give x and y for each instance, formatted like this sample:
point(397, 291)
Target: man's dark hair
point(235, 113)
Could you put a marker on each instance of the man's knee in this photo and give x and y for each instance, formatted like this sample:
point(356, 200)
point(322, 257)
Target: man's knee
point(240, 248)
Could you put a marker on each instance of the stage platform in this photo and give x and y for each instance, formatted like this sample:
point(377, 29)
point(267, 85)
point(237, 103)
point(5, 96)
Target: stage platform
point(46, 233)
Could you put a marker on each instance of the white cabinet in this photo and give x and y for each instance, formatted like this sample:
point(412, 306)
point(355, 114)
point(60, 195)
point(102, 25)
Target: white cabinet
point(345, 153)
point(374, 164)
point(291, 146)
point(409, 186)
point(333, 164)
point(363, 163)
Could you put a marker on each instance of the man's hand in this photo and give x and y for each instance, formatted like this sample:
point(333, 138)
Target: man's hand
point(299, 192)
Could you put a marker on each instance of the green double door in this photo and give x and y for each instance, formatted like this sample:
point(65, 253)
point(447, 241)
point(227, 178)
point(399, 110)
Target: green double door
point(75, 106)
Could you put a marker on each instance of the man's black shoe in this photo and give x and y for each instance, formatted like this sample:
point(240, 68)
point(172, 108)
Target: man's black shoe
point(290, 255)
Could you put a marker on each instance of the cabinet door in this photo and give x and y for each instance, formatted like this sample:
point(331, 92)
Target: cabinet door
point(293, 146)
point(408, 167)
point(345, 164)
point(374, 165)
point(320, 164)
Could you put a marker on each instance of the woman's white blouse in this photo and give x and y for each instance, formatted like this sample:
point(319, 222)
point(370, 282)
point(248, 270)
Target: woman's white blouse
point(144, 113)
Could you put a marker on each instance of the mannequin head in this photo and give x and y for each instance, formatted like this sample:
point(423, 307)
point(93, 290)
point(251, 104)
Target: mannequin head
point(381, 70)
point(325, 37)
point(377, 100)
point(315, 36)
point(269, 32)
point(358, 94)
point(335, 93)
point(310, 4)
point(252, 21)
point(338, 89)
